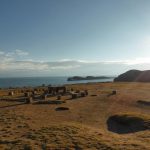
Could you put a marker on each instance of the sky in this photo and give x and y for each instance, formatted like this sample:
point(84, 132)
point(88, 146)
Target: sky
point(73, 37)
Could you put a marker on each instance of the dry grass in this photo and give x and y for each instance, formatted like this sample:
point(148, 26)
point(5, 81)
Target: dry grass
point(83, 126)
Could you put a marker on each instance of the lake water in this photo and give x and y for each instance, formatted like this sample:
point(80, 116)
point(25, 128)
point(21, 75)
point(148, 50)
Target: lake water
point(37, 81)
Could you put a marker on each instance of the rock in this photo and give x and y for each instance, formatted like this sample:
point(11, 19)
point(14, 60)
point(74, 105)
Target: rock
point(134, 76)
point(86, 92)
point(11, 93)
point(29, 100)
point(27, 94)
point(114, 92)
point(58, 97)
point(83, 94)
point(74, 95)
point(44, 96)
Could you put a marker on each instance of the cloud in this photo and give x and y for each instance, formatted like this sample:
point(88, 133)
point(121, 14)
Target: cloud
point(34, 66)
point(1, 53)
point(5, 57)
point(9, 62)
point(21, 52)
point(136, 61)
point(16, 53)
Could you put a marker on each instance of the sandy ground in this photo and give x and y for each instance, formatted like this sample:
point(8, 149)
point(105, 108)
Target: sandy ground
point(83, 126)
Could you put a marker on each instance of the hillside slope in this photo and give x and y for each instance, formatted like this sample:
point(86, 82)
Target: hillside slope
point(134, 76)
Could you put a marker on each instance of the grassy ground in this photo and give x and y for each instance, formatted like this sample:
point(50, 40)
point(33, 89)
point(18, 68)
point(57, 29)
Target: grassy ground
point(83, 126)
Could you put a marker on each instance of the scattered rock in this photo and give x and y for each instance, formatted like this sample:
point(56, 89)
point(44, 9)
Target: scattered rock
point(11, 93)
point(114, 92)
point(74, 95)
point(58, 97)
point(29, 100)
point(83, 94)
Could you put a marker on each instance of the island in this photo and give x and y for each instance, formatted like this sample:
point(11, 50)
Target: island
point(78, 78)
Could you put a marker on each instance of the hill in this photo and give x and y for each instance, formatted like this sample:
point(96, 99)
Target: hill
point(134, 76)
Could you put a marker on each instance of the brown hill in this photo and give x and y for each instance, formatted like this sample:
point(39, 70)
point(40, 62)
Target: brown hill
point(134, 76)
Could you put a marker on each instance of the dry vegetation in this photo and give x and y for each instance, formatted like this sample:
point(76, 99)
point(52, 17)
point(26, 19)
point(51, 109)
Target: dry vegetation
point(86, 124)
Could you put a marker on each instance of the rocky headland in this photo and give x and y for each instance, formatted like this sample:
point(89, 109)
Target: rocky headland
point(134, 76)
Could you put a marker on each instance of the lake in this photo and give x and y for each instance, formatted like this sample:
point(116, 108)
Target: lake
point(37, 81)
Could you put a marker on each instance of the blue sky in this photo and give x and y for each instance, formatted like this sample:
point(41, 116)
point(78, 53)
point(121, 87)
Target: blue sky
point(73, 37)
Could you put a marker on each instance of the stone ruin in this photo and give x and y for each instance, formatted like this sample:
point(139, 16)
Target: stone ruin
point(58, 91)
point(11, 93)
point(78, 94)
